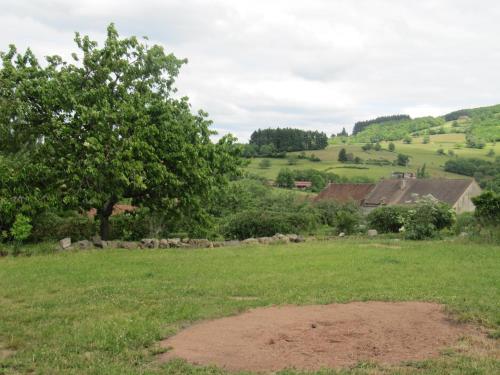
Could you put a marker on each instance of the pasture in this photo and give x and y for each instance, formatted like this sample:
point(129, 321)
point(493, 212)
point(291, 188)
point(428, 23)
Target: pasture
point(104, 312)
point(419, 154)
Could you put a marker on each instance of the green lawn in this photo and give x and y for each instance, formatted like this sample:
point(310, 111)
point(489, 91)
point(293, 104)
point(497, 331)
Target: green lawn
point(103, 312)
point(420, 153)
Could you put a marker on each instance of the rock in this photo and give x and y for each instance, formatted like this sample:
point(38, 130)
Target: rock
point(174, 242)
point(342, 234)
point(164, 244)
point(65, 243)
point(464, 234)
point(231, 243)
point(150, 243)
point(185, 240)
point(129, 245)
point(113, 244)
point(372, 232)
point(280, 238)
point(218, 243)
point(265, 240)
point(292, 237)
point(250, 241)
point(84, 244)
point(200, 242)
point(98, 242)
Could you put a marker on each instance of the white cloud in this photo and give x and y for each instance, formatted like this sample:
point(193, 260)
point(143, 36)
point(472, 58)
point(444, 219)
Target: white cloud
point(319, 64)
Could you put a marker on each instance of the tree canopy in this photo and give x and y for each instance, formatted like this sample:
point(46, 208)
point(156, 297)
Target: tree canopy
point(108, 126)
point(287, 139)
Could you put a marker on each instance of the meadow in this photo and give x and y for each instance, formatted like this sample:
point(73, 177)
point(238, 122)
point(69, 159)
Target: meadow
point(419, 153)
point(104, 312)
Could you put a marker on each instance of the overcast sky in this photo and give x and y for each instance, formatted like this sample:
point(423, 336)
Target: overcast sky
point(315, 64)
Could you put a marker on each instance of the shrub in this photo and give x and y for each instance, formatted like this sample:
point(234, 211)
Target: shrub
point(465, 222)
point(392, 147)
point(402, 160)
point(52, 225)
point(343, 217)
point(426, 219)
point(285, 178)
point(265, 164)
point(258, 223)
point(387, 219)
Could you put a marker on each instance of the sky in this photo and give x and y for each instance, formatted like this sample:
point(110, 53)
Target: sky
point(315, 64)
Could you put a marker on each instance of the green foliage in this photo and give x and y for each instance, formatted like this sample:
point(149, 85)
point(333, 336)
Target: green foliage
point(361, 125)
point(426, 219)
point(342, 155)
point(342, 217)
point(292, 160)
point(465, 223)
point(288, 139)
point(491, 153)
point(407, 139)
point(367, 147)
point(387, 219)
point(392, 147)
point(426, 139)
point(402, 160)
point(318, 183)
point(488, 208)
point(285, 178)
point(112, 129)
point(51, 225)
point(474, 142)
point(486, 173)
point(453, 116)
point(440, 152)
point(421, 172)
point(265, 164)
point(21, 229)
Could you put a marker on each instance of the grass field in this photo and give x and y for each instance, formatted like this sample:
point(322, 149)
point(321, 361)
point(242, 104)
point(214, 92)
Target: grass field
point(103, 312)
point(420, 153)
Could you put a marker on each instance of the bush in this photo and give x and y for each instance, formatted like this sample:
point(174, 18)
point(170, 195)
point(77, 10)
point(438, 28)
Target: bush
point(426, 219)
point(257, 223)
point(387, 219)
point(465, 222)
point(343, 217)
point(54, 226)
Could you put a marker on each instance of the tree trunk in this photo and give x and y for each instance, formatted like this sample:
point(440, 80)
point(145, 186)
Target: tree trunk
point(104, 214)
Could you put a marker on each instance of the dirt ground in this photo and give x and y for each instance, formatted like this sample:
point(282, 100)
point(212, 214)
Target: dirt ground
point(315, 337)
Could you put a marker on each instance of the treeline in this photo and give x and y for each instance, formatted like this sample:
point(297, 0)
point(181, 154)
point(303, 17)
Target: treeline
point(288, 139)
point(486, 173)
point(453, 116)
point(361, 125)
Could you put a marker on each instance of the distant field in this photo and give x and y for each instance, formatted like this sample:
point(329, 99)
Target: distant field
point(103, 312)
point(420, 153)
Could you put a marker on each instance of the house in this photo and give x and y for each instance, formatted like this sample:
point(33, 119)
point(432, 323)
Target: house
point(344, 193)
point(456, 192)
point(303, 184)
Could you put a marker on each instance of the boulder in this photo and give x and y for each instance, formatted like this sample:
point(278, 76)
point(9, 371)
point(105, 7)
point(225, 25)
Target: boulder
point(113, 244)
point(129, 245)
point(174, 242)
point(341, 234)
point(280, 238)
point(231, 243)
point(372, 232)
point(84, 244)
point(218, 243)
point(98, 242)
point(150, 243)
point(250, 241)
point(164, 244)
point(65, 243)
point(265, 240)
point(200, 242)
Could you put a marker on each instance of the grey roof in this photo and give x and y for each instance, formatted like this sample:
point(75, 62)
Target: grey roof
point(401, 191)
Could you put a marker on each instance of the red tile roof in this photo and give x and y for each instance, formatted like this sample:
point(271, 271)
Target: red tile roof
point(344, 193)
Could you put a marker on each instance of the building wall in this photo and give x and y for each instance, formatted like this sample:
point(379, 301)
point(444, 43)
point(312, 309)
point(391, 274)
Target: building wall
point(464, 203)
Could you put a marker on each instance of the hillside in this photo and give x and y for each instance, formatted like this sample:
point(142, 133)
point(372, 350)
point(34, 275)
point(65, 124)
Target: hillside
point(419, 153)
point(482, 123)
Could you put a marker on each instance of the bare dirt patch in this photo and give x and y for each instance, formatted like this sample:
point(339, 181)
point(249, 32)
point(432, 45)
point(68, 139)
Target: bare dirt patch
point(315, 337)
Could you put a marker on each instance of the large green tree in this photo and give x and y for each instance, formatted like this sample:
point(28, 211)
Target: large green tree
point(108, 126)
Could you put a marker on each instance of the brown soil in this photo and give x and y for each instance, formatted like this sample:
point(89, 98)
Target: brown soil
point(315, 337)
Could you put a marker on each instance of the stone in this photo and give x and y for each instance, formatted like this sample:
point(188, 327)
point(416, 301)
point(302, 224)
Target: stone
point(280, 238)
point(372, 232)
point(250, 241)
point(218, 243)
point(231, 243)
point(84, 244)
point(65, 243)
point(150, 243)
point(341, 234)
point(129, 245)
point(98, 242)
point(174, 242)
point(292, 237)
point(265, 240)
point(113, 244)
point(164, 244)
point(200, 242)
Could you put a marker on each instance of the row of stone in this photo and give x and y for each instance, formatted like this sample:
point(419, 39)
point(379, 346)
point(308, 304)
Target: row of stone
point(178, 243)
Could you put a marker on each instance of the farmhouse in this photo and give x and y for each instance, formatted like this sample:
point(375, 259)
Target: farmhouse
point(456, 192)
point(344, 193)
